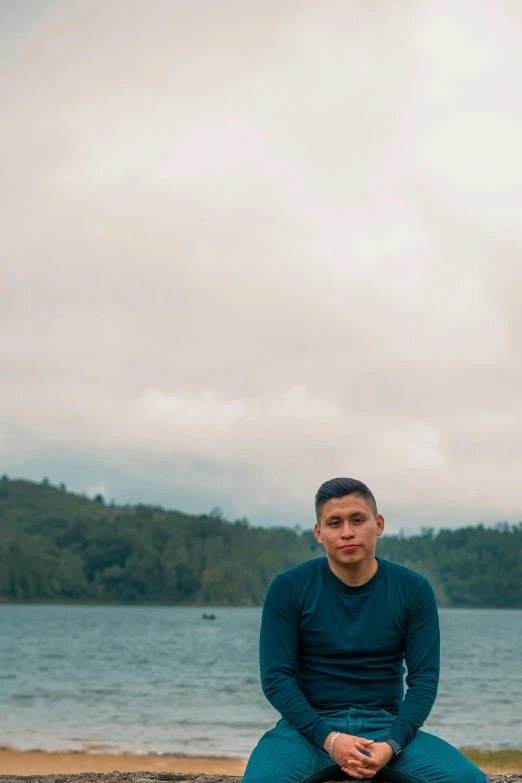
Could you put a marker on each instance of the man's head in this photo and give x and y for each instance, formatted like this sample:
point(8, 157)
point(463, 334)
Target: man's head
point(337, 488)
point(348, 523)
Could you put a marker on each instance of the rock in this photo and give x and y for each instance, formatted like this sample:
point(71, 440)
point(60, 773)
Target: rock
point(170, 777)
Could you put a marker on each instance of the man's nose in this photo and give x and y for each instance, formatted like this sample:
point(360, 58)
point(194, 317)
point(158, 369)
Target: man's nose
point(347, 531)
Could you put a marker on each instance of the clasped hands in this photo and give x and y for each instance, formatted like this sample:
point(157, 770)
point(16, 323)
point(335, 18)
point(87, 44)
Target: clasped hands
point(347, 752)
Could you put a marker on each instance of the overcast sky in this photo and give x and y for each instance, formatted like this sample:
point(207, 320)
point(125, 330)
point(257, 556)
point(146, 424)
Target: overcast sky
point(249, 246)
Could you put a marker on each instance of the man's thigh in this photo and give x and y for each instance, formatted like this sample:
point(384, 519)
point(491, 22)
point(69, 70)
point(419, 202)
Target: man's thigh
point(429, 759)
point(284, 755)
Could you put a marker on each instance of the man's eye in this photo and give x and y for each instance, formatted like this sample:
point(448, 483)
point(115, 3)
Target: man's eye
point(358, 521)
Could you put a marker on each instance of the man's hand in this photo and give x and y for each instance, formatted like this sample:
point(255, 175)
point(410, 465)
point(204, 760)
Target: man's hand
point(380, 754)
point(347, 753)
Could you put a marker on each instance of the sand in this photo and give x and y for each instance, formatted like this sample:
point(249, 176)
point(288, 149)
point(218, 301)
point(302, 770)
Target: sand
point(17, 762)
point(20, 762)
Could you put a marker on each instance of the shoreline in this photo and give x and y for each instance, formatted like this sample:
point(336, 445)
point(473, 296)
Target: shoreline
point(41, 762)
point(166, 604)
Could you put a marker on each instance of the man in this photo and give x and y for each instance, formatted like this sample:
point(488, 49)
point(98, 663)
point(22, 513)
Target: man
point(335, 633)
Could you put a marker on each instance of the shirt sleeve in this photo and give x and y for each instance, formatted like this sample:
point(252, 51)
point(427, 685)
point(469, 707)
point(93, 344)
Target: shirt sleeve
point(279, 643)
point(422, 658)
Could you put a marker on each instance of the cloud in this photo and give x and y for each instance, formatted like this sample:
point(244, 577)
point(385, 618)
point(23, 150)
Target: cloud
point(243, 253)
point(203, 411)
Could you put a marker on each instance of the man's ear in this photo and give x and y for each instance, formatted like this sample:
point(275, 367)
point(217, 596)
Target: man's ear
point(317, 533)
point(380, 525)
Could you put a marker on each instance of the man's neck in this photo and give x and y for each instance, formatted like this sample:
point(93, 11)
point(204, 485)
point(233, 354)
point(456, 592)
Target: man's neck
point(356, 574)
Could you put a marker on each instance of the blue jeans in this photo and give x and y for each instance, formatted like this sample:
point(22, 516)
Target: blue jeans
point(284, 755)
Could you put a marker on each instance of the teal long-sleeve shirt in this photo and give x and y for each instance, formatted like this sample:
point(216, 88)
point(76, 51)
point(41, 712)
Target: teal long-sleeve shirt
point(326, 645)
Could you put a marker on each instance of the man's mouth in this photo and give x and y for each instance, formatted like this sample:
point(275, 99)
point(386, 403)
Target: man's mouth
point(349, 548)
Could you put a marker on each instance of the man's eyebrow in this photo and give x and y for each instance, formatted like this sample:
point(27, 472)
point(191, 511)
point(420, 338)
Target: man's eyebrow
point(353, 514)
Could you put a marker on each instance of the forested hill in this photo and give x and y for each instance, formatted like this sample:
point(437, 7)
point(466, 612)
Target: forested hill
point(57, 546)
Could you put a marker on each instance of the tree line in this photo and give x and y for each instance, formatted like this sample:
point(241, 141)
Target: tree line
point(62, 547)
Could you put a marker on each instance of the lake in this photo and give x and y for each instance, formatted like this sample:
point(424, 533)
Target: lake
point(163, 680)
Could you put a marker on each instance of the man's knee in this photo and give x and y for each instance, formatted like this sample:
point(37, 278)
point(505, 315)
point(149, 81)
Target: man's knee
point(254, 777)
point(270, 775)
point(282, 770)
point(471, 774)
point(477, 776)
point(283, 755)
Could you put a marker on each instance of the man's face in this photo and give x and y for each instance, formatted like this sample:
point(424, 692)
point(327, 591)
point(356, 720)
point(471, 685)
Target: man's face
point(348, 530)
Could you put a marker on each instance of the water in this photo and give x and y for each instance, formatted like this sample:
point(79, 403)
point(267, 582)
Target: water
point(163, 680)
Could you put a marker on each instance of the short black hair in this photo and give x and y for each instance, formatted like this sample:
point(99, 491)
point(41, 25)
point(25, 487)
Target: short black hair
point(338, 488)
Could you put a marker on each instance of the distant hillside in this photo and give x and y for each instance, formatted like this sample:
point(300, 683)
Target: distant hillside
point(61, 547)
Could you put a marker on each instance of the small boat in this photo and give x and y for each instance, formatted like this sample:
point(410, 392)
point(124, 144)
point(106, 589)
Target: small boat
point(210, 616)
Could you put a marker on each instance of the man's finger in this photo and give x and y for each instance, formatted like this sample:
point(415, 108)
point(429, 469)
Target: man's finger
point(365, 771)
point(363, 741)
point(359, 773)
point(365, 758)
point(367, 754)
point(361, 768)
